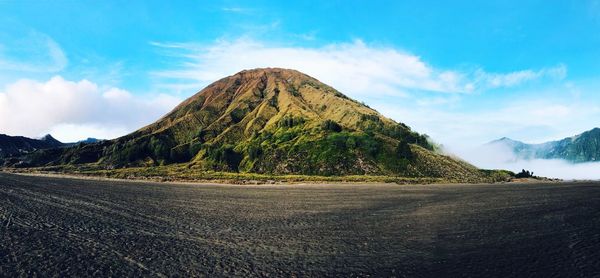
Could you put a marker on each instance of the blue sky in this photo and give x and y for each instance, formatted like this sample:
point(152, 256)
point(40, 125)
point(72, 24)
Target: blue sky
point(463, 72)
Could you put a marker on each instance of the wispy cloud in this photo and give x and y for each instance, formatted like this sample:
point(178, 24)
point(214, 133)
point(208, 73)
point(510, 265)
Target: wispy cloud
point(494, 80)
point(310, 36)
point(355, 68)
point(34, 52)
point(237, 10)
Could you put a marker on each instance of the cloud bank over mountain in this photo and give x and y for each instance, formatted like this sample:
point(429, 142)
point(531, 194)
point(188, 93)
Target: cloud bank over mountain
point(356, 68)
point(494, 156)
point(72, 110)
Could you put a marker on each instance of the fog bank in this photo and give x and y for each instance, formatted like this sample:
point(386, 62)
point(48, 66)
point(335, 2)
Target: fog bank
point(501, 157)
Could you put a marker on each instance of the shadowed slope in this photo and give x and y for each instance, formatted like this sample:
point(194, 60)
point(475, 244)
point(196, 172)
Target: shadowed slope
point(17, 145)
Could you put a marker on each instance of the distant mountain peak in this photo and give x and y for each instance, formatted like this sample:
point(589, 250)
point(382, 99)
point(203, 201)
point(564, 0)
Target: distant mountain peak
point(504, 140)
point(51, 140)
point(19, 145)
point(48, 137)
point(583, 147)
point(595, 131)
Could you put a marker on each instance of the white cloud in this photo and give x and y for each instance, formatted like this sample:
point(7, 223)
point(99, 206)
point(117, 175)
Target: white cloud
point(76, 132)
point(355, 68)
point(501, 157)
point(438, 100)
point(494, 80)
point(76, 110)
point(237, 10)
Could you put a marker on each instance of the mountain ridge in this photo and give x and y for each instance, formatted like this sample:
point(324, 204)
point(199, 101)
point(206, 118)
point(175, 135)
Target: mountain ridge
point(17, 145)
point(583, 147)
point(13, 148)
point(270, 121)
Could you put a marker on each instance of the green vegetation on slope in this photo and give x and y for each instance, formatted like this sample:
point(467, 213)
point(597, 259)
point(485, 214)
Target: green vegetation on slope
point(274, 122)
point(185, 173)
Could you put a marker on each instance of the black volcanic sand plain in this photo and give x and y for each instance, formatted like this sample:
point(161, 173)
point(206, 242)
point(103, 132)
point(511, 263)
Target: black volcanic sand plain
point(53, 226)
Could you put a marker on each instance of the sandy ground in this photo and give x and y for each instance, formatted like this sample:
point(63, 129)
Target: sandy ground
point(52, 226)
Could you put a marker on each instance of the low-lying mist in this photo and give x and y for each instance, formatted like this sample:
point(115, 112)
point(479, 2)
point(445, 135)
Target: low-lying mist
point(501, 157)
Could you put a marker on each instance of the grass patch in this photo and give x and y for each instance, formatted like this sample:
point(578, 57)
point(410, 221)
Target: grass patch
point(186, 173)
